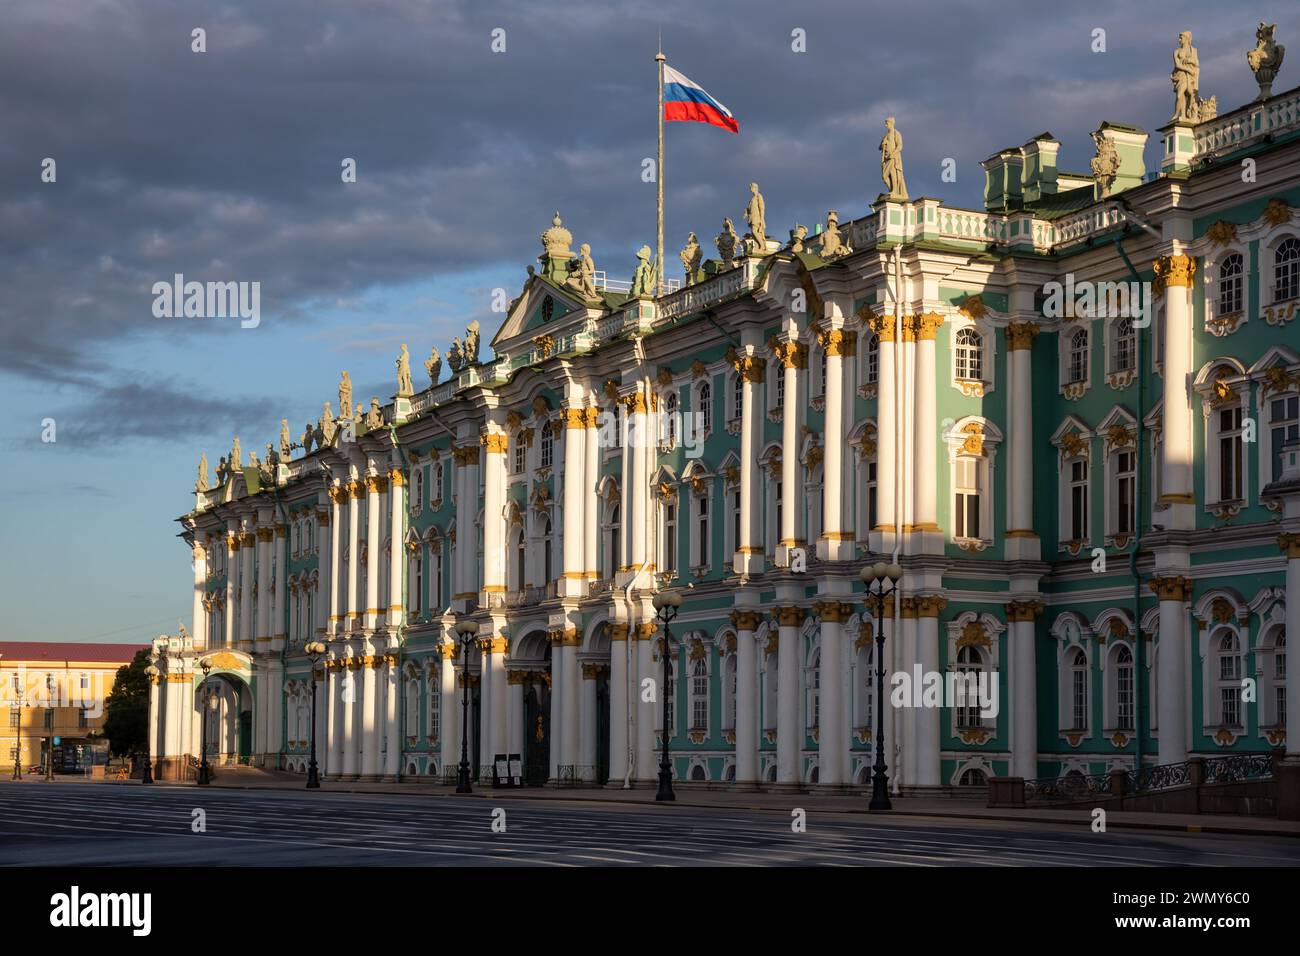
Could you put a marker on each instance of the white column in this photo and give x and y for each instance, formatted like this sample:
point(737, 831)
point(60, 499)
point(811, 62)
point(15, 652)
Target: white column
point(348, 694)
point(574, 581)
point(572, 692)
point(397, 554)
point(332, 575)
point(515, 680)
point(648, 713)
point(370, 716)
point(1290, 543)
point(199, 615)
point(749, 550)
point(494, 515)
point(792, 356)
point(558, 674)
point(1174, 274)
point(746, 622)
point(590, 502)
point(247, 540)
point(265, 599)
point(449, 716)
point(374, 548)
point(1171, 665)
point(1023, 692)
point(789, 732)
point(392, 758)
point(281, 587)
point(355, 491)
point(155, 715)
point(834, 543)
point(618, 724)
point(927, 720)
point(832, 722)
point(638, 491)
point(230, 616)
point(927, 426)
point(587, 742)
point(334, 729)
point(886, 445)
point(500, 695)
point(485, 709)
point(906, 718)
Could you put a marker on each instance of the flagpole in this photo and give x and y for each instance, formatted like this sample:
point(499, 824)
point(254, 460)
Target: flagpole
point(659, 180)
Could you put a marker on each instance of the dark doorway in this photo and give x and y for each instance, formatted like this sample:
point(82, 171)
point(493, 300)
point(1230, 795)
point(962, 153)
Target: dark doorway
point(537, 732)
point(476, 716)
point(602, 728)
point(245, 735)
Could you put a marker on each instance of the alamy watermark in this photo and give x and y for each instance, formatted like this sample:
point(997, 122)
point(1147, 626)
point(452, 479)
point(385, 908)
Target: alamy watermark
point(208, 300)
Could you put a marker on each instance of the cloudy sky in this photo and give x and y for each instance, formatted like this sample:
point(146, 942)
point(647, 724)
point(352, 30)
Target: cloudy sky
point(225, 165)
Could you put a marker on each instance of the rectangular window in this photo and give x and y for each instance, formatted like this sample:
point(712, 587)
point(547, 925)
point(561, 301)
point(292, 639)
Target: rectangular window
point(779, 372)
point(519, 456)
point(1281, 706)
point(966, 506)
point(1078, 501)
point(702, 524)
point(1230, 700)
point(49, 717)
point(1080, 697)
point(735, 520)
point(670, 538)
point(13, 717)
point(1284, 423)
point(1125, 492)
point(1230, 457)
point(871, 495)
point(1124, 698)
point(83, 720)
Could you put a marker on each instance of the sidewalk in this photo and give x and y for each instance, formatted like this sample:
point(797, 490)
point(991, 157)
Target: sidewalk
point(914, 808)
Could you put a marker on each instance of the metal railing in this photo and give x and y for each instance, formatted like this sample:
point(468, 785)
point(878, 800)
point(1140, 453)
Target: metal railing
point(1072, 786)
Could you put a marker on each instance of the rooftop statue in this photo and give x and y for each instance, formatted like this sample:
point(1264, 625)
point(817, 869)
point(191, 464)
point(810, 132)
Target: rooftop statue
point(266, 469)
point(727, 241)
point(1105, 165)
point(471, 344)
point(236, 456)
point(756, 216)
point(691, 257)
point(1186, 77)
point(1266, 59)
point(797, 235)
point(643, 280)
point(834, 243)
point(555, 252)
point(326, 426)
point(582, 273)
point(223, 472)
point(272, 459)
point(345, 396)
point(374, 417)
point(306, 440)
point(455, 357)
point(203, 472)
point(891, 161)
point(433, 365)
point(404, 386)
point(286, 442)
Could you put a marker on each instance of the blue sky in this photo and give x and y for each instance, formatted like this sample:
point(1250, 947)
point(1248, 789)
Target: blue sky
point(225, 165)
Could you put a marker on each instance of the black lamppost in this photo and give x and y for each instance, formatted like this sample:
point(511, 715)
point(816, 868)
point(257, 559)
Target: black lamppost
point(204, 777)
point(315, 650)
point(666, 604)
point(18, 753)
point(466, 629)
point(885, 577)
point(153, 674)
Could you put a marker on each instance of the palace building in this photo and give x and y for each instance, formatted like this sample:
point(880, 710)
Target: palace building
point(1070, 416)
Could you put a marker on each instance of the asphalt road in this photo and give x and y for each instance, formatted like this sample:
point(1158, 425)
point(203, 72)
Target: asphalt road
point(85, 824)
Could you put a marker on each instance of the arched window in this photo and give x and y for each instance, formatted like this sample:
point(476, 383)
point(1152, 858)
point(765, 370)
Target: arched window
point(778, 377)
point(417, 491)
point(1286, 270)
point(1079, 690)
point(1078, 365)
point(969, 665)
point(699, 696)
point(698, 773)
point(873, 359)
point(668, 421)
point(669, 543)
point(417, 580)
point(974, 777)
point(1231, 459)
point(968, 476)
point(702, 539)
point(729, 692)
point(1229, 680)
point(704, 411)
point(969, 345)
point(435, 703)
point(1232, 272)
point(1078, 499)
point(1279, 680)
point(1283, 426)
point(737, 396)
point(612, 542)
point(436, 491)
point(815, 691)
point(1124, 711)
point(548, 446)
point(519, 454)
point(412, 705)
point(1124, 346)
point(821, 379)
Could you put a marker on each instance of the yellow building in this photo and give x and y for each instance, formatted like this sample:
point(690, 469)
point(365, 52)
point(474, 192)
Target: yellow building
point(52, 697)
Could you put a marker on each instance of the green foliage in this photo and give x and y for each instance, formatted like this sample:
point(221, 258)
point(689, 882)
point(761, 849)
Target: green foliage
point(126, 710)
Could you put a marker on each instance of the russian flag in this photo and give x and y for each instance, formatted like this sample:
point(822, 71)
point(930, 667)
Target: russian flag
point(687, 102)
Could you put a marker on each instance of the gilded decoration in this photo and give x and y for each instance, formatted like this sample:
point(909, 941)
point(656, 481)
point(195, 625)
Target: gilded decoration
point(1173, 271)
point(1277, 212)
point(973, 443)
point(1222, 233)
point(973, 307)
point(973, 633)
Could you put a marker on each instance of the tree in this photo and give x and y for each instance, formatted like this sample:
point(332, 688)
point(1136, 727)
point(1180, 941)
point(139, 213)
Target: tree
point(126, 709)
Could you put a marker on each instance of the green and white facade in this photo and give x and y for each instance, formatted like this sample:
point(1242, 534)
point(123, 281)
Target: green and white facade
point(1081, 505)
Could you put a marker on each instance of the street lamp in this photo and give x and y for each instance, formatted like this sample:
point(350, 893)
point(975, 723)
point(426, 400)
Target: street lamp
point(466, 629)
point(18, 753)
point(885, 577)
point(315, 650)
point(152, 673)
point(204, 777)
point(666, 604)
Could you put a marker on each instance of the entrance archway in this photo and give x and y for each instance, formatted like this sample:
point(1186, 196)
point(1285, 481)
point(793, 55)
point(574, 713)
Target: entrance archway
point(533, 656)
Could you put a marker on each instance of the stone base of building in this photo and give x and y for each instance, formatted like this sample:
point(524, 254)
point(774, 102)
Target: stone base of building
point(1287, 776)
